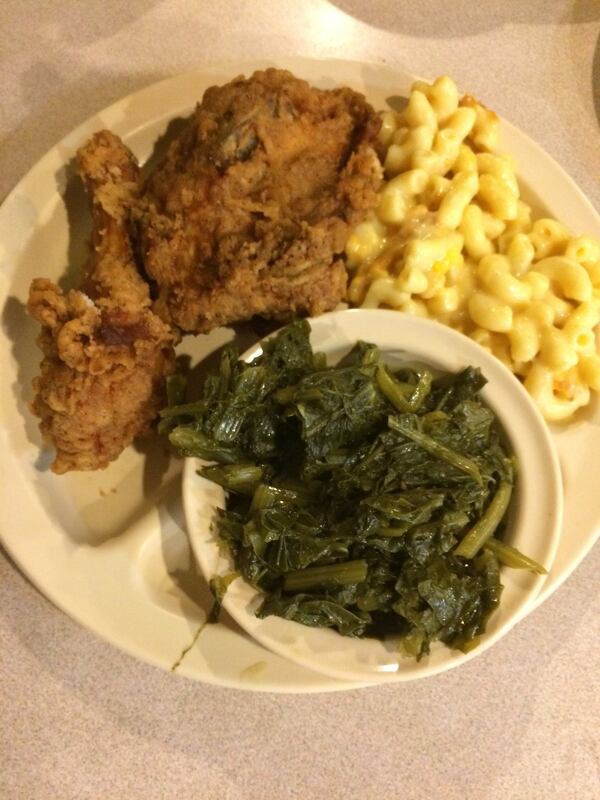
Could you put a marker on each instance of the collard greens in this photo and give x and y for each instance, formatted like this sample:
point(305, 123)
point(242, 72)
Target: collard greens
point(359, 499)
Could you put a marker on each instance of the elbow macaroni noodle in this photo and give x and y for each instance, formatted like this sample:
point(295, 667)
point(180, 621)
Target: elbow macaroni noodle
point(451, 239)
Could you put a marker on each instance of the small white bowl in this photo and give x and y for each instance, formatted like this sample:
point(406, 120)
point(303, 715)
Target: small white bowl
point(534, 526)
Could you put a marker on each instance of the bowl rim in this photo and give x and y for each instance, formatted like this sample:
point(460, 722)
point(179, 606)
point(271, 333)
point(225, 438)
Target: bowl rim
point(530, 439)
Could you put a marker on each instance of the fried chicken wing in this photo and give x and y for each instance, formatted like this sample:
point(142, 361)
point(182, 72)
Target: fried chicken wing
point(249, 212)
point(106, 352)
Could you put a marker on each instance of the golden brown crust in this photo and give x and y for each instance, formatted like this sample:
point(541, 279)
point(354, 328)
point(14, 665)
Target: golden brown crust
point(105, 352)
point(247, 215)
point(249, 212)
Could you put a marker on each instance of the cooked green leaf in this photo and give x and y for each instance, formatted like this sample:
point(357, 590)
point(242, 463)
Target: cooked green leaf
point(363, 499)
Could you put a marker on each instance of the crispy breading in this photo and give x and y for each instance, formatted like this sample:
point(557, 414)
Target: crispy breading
point(105, 351)
point(247, 215)
point(249, 212)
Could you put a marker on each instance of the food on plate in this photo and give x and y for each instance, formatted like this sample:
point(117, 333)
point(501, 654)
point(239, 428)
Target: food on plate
point(360, 498)
point(247, 215)
point(249, 212)
point(269, 191)
point(106, 352)
point(451, 239)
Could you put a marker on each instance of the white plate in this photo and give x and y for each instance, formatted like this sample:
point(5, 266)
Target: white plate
point(535, 517)
point(109, 548)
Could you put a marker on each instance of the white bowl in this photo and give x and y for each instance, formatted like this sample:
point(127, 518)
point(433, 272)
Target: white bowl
point(534, 527)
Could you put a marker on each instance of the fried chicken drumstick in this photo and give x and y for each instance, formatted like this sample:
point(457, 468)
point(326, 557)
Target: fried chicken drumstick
point(247, 215)
point(105, 352)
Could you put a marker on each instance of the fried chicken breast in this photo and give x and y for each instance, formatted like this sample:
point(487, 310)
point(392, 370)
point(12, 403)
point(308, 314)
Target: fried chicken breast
point(249, 212)
point(106, 353)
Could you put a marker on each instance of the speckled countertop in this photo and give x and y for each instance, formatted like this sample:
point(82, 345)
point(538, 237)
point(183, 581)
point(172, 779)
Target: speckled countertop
point(78, 718)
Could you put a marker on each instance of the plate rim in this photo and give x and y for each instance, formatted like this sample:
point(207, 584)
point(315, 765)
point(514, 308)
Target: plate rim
point(202, 72)
point(352, 324)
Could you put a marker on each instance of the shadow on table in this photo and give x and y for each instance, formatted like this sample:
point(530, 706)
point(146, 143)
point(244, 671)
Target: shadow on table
point(424, 18)
point(51, 115)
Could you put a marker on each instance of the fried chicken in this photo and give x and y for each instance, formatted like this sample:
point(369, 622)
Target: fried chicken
point(249, 212)
point(247, 215)
point(106, 352)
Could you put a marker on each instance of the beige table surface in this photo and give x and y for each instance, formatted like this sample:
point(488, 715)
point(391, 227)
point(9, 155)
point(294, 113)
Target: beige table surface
point(78, 719)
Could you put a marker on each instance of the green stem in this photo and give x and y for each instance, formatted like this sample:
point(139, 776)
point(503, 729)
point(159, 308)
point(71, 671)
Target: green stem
point(436, 449)
point(484, 528)
point(393, 390)
point(512, 557)
point(338, 574)
point(218, 585)
point(241, 478)
point(266, 496)
point(422, 389)
point(393, 531)
point(396, 392)
point(185, 409)
point(189, 442)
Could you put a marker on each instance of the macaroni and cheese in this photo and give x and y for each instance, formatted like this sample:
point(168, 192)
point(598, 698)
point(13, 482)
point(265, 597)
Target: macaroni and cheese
point(451, 239)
